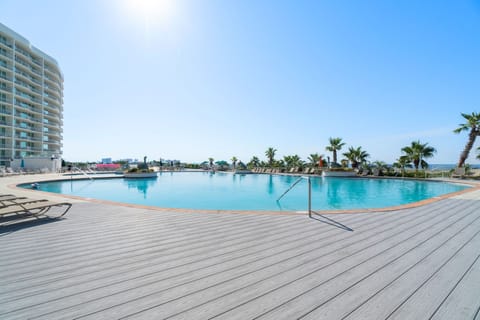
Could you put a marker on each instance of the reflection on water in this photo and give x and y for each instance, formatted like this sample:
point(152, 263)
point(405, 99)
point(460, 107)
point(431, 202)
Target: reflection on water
point(270, 185)
point(141, 185)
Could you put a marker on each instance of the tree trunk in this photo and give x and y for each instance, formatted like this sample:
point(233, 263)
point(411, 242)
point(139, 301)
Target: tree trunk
point(471, 140)
point(335, 156)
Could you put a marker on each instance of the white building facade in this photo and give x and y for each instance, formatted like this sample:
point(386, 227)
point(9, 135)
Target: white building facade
point(31, 104)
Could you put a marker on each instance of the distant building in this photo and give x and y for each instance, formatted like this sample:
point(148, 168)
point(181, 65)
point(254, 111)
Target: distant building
point(31, 105)
point(106, 160)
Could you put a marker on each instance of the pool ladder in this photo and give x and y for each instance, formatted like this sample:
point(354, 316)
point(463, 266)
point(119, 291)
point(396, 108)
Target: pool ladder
point(309, 192)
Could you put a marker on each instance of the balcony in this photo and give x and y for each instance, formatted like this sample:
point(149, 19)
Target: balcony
point(52, 108)
point(27, 128)
point(29, 118)
point(5, 65)
point(52, 74)
point(37, 62)
point(52, 99)
point(24, 52)
point(25, 105)
point(51, 118)
point(5, 53)
point(30, 88)
point(52, 92)
point(27, 138)
point(6, 134)
point(53, 83)
point(23, 63)
point(36, 71)
point(5, 77)
point(27, 148)
point(4, 42)
point(4, 87)
point(26, 76)
point(52, 125)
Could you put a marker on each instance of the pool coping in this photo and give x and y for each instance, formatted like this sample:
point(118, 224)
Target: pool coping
point(474, 186)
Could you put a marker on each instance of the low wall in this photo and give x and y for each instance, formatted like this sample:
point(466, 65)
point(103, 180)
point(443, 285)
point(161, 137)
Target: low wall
point(37, 164)
point(339, 173)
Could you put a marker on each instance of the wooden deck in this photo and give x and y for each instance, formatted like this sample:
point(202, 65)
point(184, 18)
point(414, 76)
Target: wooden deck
point(110, 262)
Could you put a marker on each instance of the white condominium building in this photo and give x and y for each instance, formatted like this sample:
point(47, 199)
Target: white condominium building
point(31, 104)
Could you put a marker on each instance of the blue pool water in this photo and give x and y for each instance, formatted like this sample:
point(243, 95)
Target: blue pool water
point(226, 191)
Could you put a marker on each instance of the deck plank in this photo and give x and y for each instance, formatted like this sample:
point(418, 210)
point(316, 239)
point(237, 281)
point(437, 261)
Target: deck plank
point(306, 295)
point(263, 279)
point(399, 280)
point(107, 262)
point(464, 301)
point(432, 292)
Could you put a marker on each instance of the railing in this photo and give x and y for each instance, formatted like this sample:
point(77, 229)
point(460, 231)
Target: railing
point(82, 172)
point(309, 193)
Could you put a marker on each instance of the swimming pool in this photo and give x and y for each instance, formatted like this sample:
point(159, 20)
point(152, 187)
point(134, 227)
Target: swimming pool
point(226, 191)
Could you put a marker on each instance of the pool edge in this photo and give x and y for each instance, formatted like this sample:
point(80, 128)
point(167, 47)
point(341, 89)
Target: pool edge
point(475, 186)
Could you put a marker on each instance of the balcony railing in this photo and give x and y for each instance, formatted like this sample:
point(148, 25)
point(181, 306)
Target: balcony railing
point(5, 77)
point(29, 128)
point(27, 148)
point(37, 62)
point(6, 88)
point(2, 41)
point(5, 65)
point(6, 54)
point(22, 62)
point(17, 136)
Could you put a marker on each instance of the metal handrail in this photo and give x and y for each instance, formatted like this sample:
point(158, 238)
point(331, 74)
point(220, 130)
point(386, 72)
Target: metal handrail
point(309, 193)
point(82, 172)
point(291, 187)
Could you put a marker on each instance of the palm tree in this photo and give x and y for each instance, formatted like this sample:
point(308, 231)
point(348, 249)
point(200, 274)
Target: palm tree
point(473, 126)
point(380, 166)
point(293, 161)
point(314, 159)
point(210, 162)
point(336, 144)
point(254, 162)
point(288, 161)
point(270, 154)
point(234, 161)
point(356, 156)
point(402, 163)
point(417, 152)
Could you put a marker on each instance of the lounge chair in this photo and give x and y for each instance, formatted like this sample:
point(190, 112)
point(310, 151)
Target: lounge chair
point(6, 196)
point(11, 201)
point(365, 172)
point(32, 208)
point(459, 173)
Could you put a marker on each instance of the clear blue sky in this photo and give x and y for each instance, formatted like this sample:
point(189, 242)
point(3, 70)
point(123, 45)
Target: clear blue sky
point(192, 79)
